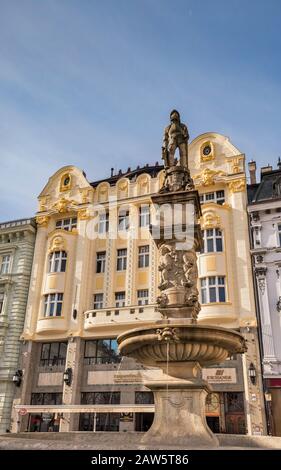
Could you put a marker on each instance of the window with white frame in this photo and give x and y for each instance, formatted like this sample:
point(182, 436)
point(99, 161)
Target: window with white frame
point(67, 224)
point(103, 222)
point(279, 234)
point(143, 297)
point(98, 301)
point(2, 299)
point(213, 289)
point(5, 261)
point(212, 239)
point(122, 259)
point(144, 216)
point(216, 196)
point(100, 266)
point(120, 299)
point(123, 220)
point(53, 305)
point(57, 262)
point(143, 256)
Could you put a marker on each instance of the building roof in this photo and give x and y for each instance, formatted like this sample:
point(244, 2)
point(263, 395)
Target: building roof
point(17, 223)
point(152, 170)
point(269, 187)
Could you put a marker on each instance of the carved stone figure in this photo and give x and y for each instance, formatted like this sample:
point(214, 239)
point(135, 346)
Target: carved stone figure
point(175, 136)
point(165, 267)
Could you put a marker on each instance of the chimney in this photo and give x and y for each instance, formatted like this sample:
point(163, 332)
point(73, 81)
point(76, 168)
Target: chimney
point(252, 170)
point(279, 163)
point(112, 171)
point(265, 170)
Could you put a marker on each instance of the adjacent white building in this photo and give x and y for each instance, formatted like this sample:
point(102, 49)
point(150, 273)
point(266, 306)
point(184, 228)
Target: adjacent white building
point(17, 240)
point(265, 226)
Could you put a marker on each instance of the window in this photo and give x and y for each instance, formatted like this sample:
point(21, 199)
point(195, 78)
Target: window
point(122, 259)
point(217, 197)
point(212, 239)
point(279, 234)
point(100, 268)
point(53, 354)
point(2, 298)
point(53, 305)
point(57, 262)
point(213, 289)
point(67, 224)
point(46, 398)
point(99, 421)
point(103, 222)
point(144, 216)
point(144, 398)
point(98, 301)
point(5, 264)
point(120, 299)
point(143, 297)
point(101, 351)
point(143, 256)
point(123, 220)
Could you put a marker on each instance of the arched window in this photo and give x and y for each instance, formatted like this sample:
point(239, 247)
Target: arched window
point(57, 262)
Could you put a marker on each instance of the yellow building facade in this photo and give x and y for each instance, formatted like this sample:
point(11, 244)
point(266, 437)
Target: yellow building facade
point(95, 276)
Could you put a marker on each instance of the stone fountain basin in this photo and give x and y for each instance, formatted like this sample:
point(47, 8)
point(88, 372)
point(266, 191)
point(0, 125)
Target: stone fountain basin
point(180, 342)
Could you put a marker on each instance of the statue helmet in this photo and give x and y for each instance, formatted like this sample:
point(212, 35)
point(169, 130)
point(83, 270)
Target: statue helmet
point(174, 111)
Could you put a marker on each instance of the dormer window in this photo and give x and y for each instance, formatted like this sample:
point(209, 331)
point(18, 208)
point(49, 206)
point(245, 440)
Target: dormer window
point(277, 187)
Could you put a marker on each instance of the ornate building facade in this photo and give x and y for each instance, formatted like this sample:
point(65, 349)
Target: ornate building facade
point(265, 223)
point(94, 277)
point(17, 240)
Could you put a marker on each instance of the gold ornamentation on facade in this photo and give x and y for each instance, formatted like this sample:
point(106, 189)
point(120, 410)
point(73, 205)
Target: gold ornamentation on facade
point(84, 214)
point(122, 185)
point(237, 185)
point(57, 244)
point(63, 205)
point(42, 203)
point(208, 176)
point(85, 194)
point(103, 190)
point(207, 152)
point(42, 220)
point(143, 180)
point(236, 164)
point(65, 182)
point(210, 220)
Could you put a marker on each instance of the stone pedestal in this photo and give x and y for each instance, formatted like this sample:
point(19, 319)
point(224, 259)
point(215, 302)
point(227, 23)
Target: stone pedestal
point(179, 418)
point(180, 408)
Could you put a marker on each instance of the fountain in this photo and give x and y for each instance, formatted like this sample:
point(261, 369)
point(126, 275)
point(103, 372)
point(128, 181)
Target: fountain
point(177, 344)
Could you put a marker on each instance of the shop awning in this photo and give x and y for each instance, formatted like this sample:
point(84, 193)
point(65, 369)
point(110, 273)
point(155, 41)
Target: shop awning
point(23, 409)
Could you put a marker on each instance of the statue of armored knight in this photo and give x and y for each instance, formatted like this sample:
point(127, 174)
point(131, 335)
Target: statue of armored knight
point(177, 176)
point(175, 136)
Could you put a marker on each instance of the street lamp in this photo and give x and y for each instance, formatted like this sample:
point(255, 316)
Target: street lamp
point(252, 373)
point(17, 377)
point(67, 376)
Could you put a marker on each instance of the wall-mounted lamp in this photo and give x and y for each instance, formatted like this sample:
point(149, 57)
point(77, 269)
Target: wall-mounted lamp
point(67, 376)
point(252, 373)
point(17, 377)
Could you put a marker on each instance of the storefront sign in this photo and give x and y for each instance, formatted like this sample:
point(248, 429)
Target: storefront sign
point(126, 417)
point(220, 376)
point(127, 378)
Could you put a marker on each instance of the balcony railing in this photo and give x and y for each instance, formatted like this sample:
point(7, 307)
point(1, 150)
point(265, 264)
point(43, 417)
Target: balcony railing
point(132, 314)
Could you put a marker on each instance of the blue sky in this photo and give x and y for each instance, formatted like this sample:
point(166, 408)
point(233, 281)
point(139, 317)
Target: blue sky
point(92, 83)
